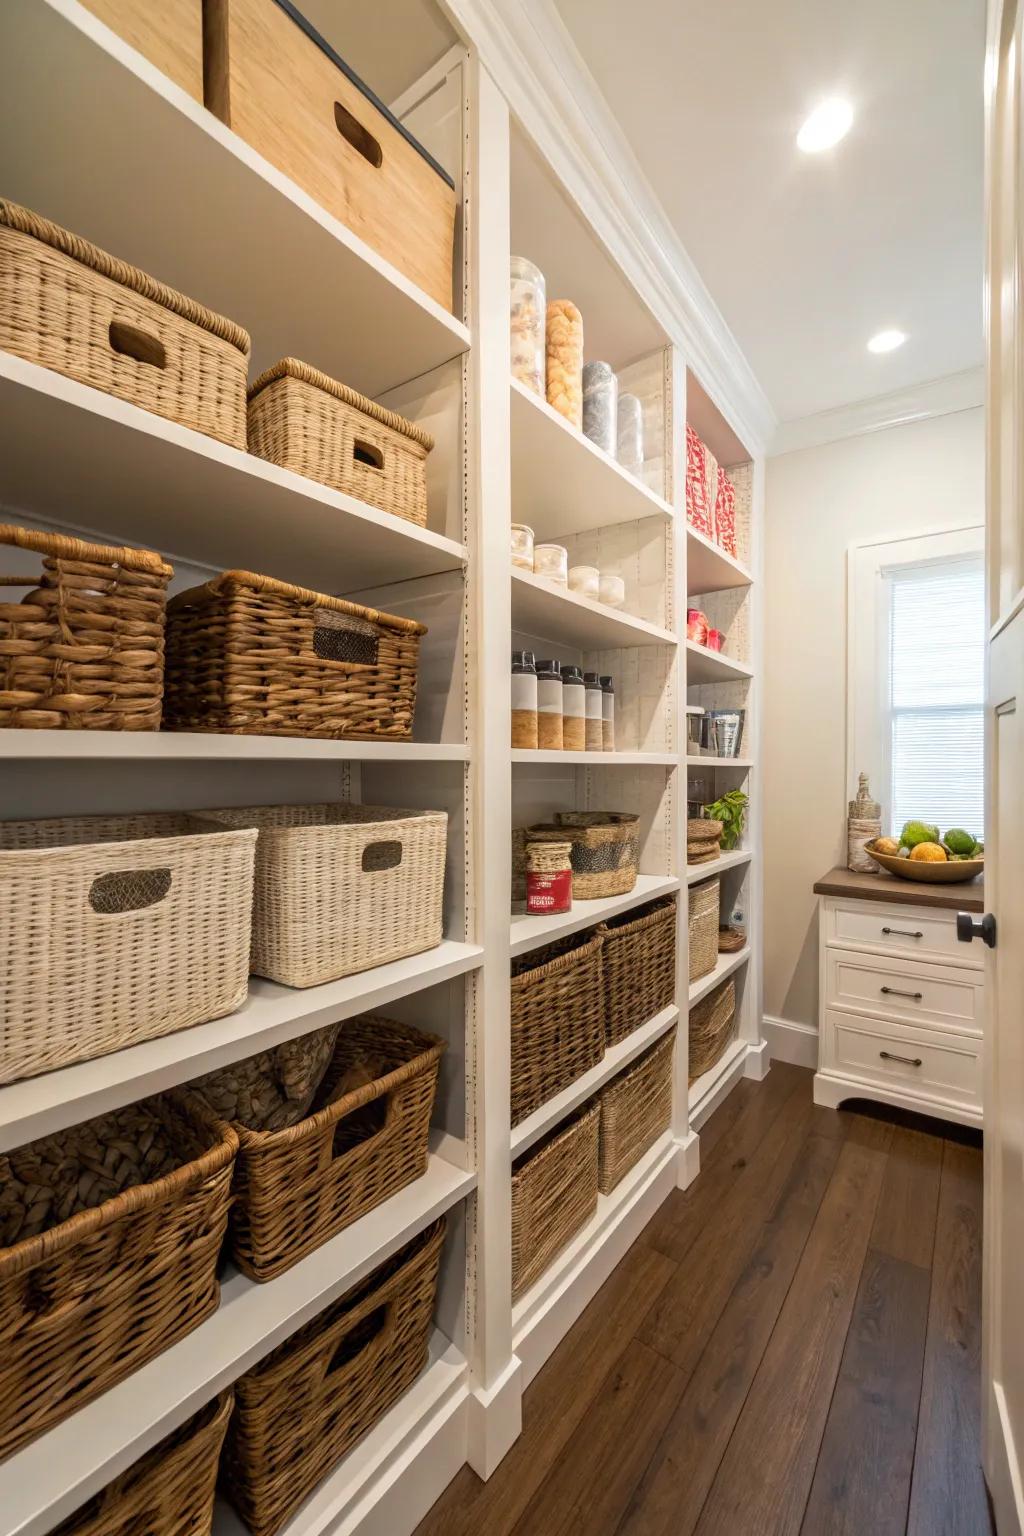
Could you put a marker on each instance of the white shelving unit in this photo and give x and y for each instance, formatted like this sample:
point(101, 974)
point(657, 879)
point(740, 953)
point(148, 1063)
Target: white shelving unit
point(96, 138)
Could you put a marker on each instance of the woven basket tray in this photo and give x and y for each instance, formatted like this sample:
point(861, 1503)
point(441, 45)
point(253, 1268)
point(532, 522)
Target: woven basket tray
point(84, 650)
point(639, 966)
point(274, 1089)
point(711, 1028)
point(554, 1194)
point(605, 850)
point(250, 656)
point(313, 1397)
point(365, 1139)
point(557, 1019)
point(307, 422)
point(703, 917)
point(71, 307)
point(146, 924)
point(342, 888)
point(109, 1238)
point(636, 1108)
point(167, 1492)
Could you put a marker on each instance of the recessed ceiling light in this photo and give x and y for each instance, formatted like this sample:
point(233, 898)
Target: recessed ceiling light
point(827, 124)
point(887, 341)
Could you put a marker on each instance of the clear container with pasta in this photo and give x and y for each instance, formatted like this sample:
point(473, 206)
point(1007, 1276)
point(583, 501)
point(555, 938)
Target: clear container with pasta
point(565, 360)
point(527, 313)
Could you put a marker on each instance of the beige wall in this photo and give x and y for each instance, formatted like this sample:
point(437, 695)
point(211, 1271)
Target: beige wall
point(819, 501)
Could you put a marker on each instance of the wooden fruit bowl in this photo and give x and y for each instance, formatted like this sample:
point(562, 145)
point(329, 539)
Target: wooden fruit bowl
point(949, 872)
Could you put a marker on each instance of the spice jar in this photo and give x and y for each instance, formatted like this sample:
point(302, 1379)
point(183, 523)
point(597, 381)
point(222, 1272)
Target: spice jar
point(565, 360)
point(574, 710)
point(549, 706)
point(630, 434)
point(607, 715)
point(612, 590)
point(522, 546)
point(600, 401)
point(524, 699)
point(548, 877)
point(585, 581)
point(594, 725)
point(697, 626)
point(552, 562)
point(528, 312)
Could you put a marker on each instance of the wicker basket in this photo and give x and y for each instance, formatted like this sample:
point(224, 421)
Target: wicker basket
point(365, 1139)
point(84, 650)
point(309, 423)
point(117, 929)
point(605, 850)
point(557, 1019)
point(704, 904)
point(250, 656)
point(639, 964)
point(711, 1028)
point(167, 1492)
point(703, 841)
point(68, 306)
point(554, 1194)
point(313, 1397)
point(110, 1234)
point(274, 1089)
point(636, 1108)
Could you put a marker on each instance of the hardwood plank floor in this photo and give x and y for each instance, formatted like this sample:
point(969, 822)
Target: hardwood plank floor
point(792, 1346)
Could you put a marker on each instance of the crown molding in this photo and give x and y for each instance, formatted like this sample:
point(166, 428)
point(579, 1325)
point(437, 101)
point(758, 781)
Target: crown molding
point(526, 48)
point(938, 397)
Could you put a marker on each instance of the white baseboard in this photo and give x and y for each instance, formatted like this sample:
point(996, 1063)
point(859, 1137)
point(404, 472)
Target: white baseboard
point(792, 1042)
point(1002, 1467)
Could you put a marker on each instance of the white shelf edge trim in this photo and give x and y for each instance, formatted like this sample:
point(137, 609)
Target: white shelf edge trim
point(708, 1090)
point(201, 746)
point(719, 762)
point(710, 666)
point(728, 571)
point(695, 873)
point(528, 932)
point(619, 628)
point(534, 758)
point(727, 964)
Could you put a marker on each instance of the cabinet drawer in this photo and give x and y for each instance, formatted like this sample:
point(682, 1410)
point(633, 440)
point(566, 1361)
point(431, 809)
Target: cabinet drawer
point(936, 995)
point(910, 931)
point(915, 1061)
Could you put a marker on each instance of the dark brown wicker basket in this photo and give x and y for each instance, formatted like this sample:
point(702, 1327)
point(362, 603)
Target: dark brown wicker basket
point(361, 1144)
point(557, 1023)
point(312, 1398)
point(554, 1194)
point(93, 1283)
point(639, 961)
point(636, 1108)
point(167, 1492)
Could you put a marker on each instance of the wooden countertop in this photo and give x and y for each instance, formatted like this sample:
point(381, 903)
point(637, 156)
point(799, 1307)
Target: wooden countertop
point(966, 897)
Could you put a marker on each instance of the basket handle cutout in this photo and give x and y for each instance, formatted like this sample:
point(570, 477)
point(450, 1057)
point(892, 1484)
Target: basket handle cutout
point(362, 1125)
point(360, 138)
point(367, 454)
point(358, 1339)
point(348, 646)
point(385, 855)
point(130, 341)
point(129, 890)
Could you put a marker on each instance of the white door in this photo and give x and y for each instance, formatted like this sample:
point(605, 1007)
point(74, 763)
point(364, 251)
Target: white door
point(1003, 1318)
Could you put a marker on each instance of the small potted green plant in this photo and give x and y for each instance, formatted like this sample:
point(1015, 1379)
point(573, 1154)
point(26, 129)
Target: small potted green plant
point(730, 810)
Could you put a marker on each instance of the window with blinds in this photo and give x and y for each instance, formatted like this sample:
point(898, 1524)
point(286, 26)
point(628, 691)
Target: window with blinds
point(935, 692)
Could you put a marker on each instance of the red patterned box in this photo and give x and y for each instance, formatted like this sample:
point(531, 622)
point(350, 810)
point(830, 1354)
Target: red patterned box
point(699, 506)
point(725, 513)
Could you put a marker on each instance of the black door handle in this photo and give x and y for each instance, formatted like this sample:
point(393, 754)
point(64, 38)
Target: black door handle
point(968, 928)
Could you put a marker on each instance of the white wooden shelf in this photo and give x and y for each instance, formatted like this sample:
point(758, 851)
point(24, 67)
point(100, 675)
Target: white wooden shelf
point(705, 666)
point(720, 762)
point(270, 1014)
point(708, 1090)
point(552, 613)
point(197, 746)
point(56, 1473)
point(95, 137)
point(698, 872)
point(726, 965)
point(143, 480)
point(561, 482)
point(709, 568)
point(529, 931)
point(537, 759)
point(615, 1059)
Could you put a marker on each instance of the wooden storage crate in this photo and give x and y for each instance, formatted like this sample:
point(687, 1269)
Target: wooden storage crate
point(636, 1108)
point(638, 960)
point(711, 1028)
point(273, 79)
point(554, 1195)
point(307, 422)
point(168, 32)
point(109, 1238)
point(115, 930)
point(557, 1019)
point(312, 1398)
point(703, 920)
point(69, 306)
point(251, 656)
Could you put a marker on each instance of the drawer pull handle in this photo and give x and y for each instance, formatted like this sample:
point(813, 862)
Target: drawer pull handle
point(908, 1061)
point(915, 997)
point(904, 933)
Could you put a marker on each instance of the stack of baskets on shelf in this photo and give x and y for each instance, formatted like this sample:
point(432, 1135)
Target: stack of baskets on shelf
point(703, 840)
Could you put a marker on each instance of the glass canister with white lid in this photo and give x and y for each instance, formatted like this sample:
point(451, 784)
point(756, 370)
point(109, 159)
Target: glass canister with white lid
point(600, 403)
point(630, 434)
point(528, 319)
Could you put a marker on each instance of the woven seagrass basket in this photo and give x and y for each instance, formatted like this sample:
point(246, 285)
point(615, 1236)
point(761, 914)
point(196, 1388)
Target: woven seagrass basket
point(307, 422)
point(636, 1108)
point(273, 1089)
point(557, 1019)
point(364, 1140)
point(711, 1028)
point(167, 1492)
point(703, 840)
point(605, 850)
point(71, 307)
point(146, 921)
point(251, 656)
point(639, 965)
point(109, 1238)
point(703, 917)
point(554, 1194)
point(299, 1410)
point(83, 649)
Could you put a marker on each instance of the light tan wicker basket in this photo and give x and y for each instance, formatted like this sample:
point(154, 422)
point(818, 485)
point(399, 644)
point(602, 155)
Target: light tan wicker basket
point(605, 850)
point(703, 841)
point(307, 422)
point(117, 929)
point(71, 307)
point(704, 905)
point(636, 1108)
point(711, 1028)
point(554, 1194)
point(342, 888)
point(557, 1019)
point(84, 650)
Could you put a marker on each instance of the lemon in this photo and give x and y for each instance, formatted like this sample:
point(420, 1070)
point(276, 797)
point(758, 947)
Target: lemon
point(929, 853)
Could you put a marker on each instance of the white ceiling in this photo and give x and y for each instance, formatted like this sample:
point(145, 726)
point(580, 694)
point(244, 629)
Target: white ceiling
point(809, 255)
